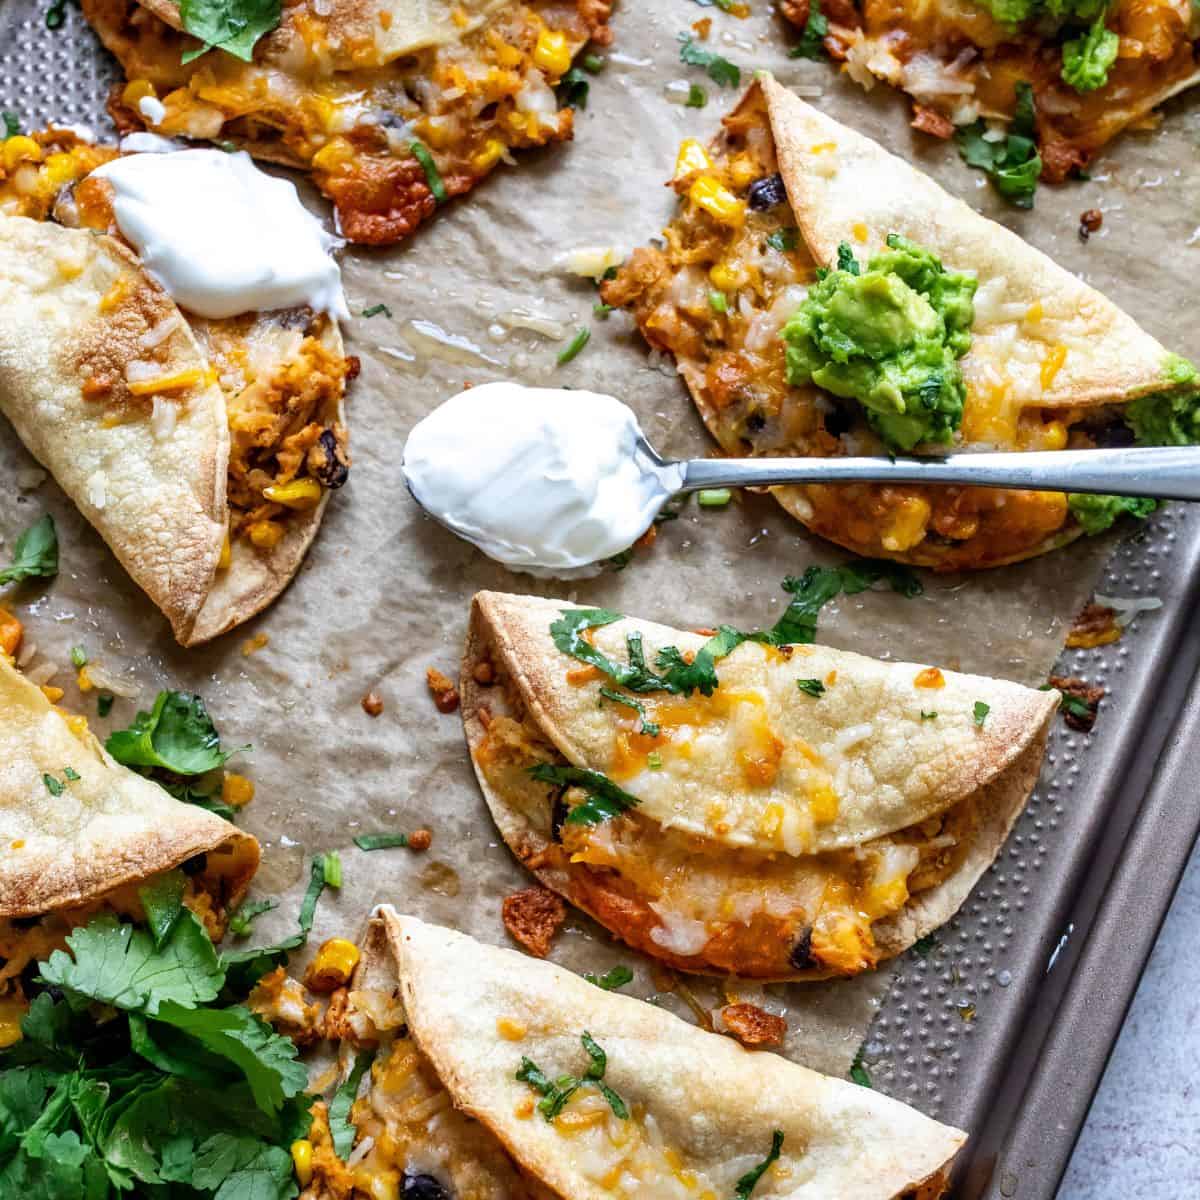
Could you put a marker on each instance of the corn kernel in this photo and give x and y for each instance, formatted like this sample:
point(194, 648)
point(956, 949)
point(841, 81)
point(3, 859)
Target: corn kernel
point(333, 965)
point(1035, 312)
point(743, 171)
point(226, 554)
point(506, 55)
point(726, 277)
point(930, 677)
point(300, 493)
point(83, 680)
point(52, 693)
point(552, 53)
point(236, 790)
point(860, 231)
point(1054, 435)
point(11, 1012)
point(115, 294)
point(332, 155)
point(488, 157)
point(265, 534)
point(77, 724)
point(11, 632)
point(509, 1029)
point(135, 90)
point(692, 157)
point(908, 524)
point(19, 149)
point(717, 200)
point(823, 804)
point(302, 1155)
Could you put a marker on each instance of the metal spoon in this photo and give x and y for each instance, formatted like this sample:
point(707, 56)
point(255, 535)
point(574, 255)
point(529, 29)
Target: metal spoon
point(1161, 472)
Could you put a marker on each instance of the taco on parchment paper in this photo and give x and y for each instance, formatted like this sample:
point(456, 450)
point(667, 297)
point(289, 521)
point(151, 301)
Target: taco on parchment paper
point(82, 834)
point(392, 106)
point(469, 1042)
point(204, 451)
point(1093, 67)
point(823, 297)
point(801, 813)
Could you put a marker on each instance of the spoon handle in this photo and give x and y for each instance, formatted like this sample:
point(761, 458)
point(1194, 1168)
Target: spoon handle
point(1163, 472)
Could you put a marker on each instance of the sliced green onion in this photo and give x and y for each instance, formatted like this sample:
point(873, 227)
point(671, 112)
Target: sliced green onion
point(697, 97)
point(432, 177)
point(380, 841)
point(577, 343)
point(78, 657)
point(654, 760)
point(714, 497)
point(594, 63)
point(376, 309)
point(718, 302)
point(602, 310)
point(332, 866)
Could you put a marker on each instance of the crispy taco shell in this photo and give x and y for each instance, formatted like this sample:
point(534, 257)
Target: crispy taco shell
point(82, 833)
point(778, 834)
point(702, 1111)
point(1050, 364)
point(79, 319)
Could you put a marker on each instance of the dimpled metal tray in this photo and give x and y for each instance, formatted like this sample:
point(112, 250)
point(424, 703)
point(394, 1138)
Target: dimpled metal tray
point(1005, 1021)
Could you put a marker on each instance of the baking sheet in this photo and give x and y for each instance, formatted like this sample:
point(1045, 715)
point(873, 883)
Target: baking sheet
point(384, 593)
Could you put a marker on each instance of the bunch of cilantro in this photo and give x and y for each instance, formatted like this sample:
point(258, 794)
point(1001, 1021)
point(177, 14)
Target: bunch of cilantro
point(138, 1073)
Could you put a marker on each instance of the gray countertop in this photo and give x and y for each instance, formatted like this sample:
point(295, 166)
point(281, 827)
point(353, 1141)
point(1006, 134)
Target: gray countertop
point(1142, 1137)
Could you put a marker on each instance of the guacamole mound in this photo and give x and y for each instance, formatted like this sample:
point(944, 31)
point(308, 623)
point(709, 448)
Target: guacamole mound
point(889, 337)
point(1096, 513)
point(1056, 12)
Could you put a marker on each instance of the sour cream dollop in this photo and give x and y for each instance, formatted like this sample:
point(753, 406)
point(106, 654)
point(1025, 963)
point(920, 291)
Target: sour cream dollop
point(221, 236)
point(544, 480)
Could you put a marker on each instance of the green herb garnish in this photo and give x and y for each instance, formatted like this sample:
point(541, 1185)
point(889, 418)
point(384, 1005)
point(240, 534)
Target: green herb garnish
point(248, 911)
point(747, 1183)
point(923, 947)
point(54, 786)
point(433, 178)
point(783, 239)
point(720, 70)
point(811, 687)
point(928, 716)
point(35, 553)
point(594, 63)
point(1012, 163)
point(104, 703)
point(654, 760)
point(718, 302)
point(858, 1072)
point(555, 1094)
point(573, 88)
point(604, 798)
point(12, 123)
point(812, 39)
point(980, 712)
point(697, 97)
point(601, 310)
point(380, 841)
point(618, 977)
point(177, 735)
point(576, 344)
point(648, 727)
point(376, 309)
point(70, 774)
point(230, 25)
point(341, 1128)
point(79, 657)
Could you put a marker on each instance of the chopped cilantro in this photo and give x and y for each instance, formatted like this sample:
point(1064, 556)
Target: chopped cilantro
point(720, 70)
point(380, 841)
point(714, 497)
point(12, 123)
point(576, 344)
point(618, 977)
point(747, 1183)
point(316, 885)
point(79, 657)
point(104, 703)
point(432, 176)
point(928, 716)
point(594, 63)
point(376, 309)
point(604, 798)
point(811, 687)
point(718, 302)
point(56, 14)
point(858, 1072)
point(654, 760)
point(248, 911)
point(162, 902)
point(846, 260)
point(177, 735)
point(341, 1128)
point(556, 1093)
point(783, 239)
point(70, 773)
point(697, 97)
point(723, 5)
point(1013, 163)
point(230, 25)
point(602, 310)
point(53, 786)
point(573, 88)
point(812, 39)
point(34, 554)
point(649, 729)
point(980, 712)
point(1076, 706)
point(923, 946)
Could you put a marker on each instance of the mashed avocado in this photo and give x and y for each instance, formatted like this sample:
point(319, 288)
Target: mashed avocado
point(1016, 12)
point(889, 337)
point(1096, 513)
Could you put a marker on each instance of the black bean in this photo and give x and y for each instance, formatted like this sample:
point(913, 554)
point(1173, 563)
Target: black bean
point(423, 1187)
point(801, 955)
point(194, 865)
point(333, 471)
point(767, 192)
point(558, 814)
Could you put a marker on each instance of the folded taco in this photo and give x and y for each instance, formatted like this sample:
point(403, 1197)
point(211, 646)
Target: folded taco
point(393, 106)
point(83, 834)
point(181, 374)
point(1092, 67)
point(823, 297)
point(744, 806)
point(498, 1076)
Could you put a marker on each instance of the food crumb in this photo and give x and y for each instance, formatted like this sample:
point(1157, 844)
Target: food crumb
point(253, 645)
point(372, 703)
point(532, 917)
point(484, 673)
point(703, 28)
point(445, 694)
point(236, 790)
point(1096, 625)
point(420, 840)
point(1081, 701)
point(753, 1026)
point(1090, 221)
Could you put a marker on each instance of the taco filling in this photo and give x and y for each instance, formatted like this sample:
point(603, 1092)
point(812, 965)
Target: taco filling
point(390, 117)
point(877, 348)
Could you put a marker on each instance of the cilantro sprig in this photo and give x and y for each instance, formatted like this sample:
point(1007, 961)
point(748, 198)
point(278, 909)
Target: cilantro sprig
point(720, 70)
point(177, 735)
point(812, 39)
point(1012, 163)
point(605, 799)
point(35, 553)
point(555, 1093)
point(230, 25)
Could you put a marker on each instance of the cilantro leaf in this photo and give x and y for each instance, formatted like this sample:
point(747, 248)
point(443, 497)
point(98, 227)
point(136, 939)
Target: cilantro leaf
point(1012, 163)
point(243, 1168)
point(113, 963)
point(162, 902)
point(720, 70)
point(858, 1072)
point(812, 40)
point(697, 97)
point(1097, 513)
point(35, 553)
point(380, 841)
point(783, 239)
point(341, 1128)
point(618, 977)
point(648, 728)
point(316, 885)
point(747, 1183)
point(177, 735)
point(230, 25)
point(604, 798)
point(811, 687)
point(573, 88)
point(1086, 60)
point(248, 911)
point(980, 712)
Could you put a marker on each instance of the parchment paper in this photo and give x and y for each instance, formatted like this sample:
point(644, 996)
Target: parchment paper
point(384, 593)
